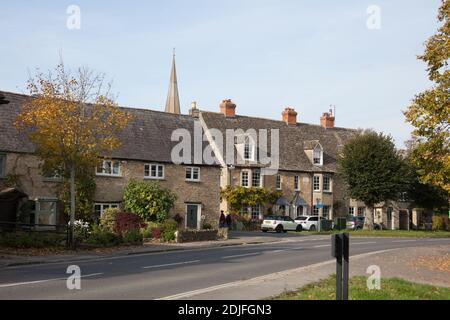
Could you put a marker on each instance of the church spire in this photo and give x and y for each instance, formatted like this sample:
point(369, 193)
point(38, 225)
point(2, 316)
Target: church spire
point(173, 100)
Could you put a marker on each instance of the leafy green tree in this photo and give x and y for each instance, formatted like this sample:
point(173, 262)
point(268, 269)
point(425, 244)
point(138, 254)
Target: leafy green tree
point(429, 112)
point(148, 200)
point(372, 170)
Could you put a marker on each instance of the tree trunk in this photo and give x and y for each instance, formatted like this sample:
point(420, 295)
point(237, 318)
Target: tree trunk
point(368, 221)
point(72, 206)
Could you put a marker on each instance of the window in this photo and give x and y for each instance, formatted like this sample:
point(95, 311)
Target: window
point(315, 211)
point(316, 183)
point(109, 168)
point(296, 183)
point(326, 184)
point(361, 211)
point(45, 213)
point(245, 178)
point(192, 174)
point(51, 176)
point(249, 149)
point(351, 211)
point(318, 155)
point(2, 165)
point(326, 212)
point(256, 212)
point(256, 178)
point(278, 183)
point(99, 208)
point(154, 171)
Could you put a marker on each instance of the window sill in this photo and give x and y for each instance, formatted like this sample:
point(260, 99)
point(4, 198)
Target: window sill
point(108, 175)
point(157, 179)
point(193, 181)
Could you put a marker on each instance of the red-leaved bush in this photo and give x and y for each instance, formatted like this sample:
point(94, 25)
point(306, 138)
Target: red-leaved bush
point(156, 233)
point(126, 222)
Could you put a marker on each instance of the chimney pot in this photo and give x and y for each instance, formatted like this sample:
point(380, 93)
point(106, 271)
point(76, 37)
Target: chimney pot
point(228, 108)
point(327, 120)
point(290, 116)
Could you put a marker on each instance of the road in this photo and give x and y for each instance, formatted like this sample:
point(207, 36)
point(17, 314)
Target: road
point(159, 275)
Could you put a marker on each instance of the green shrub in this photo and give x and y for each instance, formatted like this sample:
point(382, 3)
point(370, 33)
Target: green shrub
point(440, 223)
point(108, 219)
point(104, 238)
point(148, 200)
point(168, 229)
point(133, 237)
point(32, 240)
point(207, 226)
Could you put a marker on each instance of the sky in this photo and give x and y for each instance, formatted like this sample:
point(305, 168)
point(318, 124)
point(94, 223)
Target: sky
point(265, 55)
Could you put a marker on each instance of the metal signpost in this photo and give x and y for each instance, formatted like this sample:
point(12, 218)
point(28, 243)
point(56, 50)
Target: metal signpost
point(319, 221)
point(340, 250)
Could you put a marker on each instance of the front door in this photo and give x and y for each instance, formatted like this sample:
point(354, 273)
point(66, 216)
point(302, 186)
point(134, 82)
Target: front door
point(192, 216)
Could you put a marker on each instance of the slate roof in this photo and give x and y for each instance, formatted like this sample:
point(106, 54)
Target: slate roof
point(293, 139)
point(147, 137)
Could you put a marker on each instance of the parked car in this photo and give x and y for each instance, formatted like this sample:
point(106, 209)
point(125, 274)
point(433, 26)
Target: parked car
point(309, 223)
point(280, 224)
point(357, 223)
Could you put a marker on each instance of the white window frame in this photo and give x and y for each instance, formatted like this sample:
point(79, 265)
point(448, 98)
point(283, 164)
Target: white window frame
point(249, 178)
point(318, 150)
point(351, 211)
point(103, 167)
point(296, 183)
point(260, 178)
point(2, 165)
point(256, 208)
point(190, 171)
point(314, 209)
point(278, 182)
point(330, 189)
point(249, 147)
point(314, 184)
point(157, 170)
point(104, 206)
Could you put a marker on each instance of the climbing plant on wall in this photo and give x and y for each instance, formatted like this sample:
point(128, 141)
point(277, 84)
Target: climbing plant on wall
point(237, 196)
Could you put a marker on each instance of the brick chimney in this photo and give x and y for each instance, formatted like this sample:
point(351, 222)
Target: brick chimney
point(290, 116)
point(228, 108)
point(327, 120)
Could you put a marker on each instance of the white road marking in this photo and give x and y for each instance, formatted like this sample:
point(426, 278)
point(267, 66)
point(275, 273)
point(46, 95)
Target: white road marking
point(193, 293)
point(42, 281)
point(171, 264)
point(297, 248)
point(281, 250)
point(242, 255)
point(362, 243)
point(323, 246)
point(436, 239)
point(400, 241)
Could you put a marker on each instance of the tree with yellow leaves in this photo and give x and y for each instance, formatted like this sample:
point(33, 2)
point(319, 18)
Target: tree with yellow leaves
point(73, 120)
point(429, 112)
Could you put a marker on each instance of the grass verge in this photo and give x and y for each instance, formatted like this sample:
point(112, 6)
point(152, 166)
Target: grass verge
point(391, 289)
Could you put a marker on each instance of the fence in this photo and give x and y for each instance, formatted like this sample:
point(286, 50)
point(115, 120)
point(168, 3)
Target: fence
point(17, 227)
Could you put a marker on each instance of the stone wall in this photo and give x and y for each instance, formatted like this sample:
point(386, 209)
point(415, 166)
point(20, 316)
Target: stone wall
point(110, 189)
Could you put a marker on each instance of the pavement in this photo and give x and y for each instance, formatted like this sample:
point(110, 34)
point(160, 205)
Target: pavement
point(278, 263)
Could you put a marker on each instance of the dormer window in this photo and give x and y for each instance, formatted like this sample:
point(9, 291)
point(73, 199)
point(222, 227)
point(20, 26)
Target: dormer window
point(318, 156)
point(249, 149)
